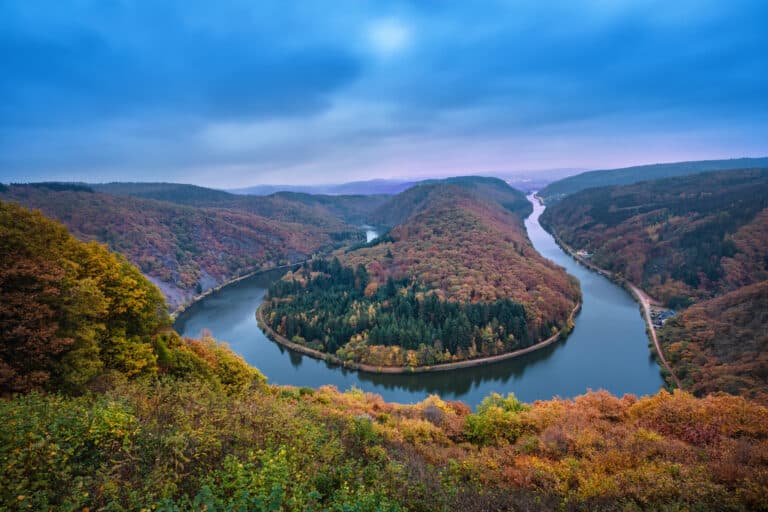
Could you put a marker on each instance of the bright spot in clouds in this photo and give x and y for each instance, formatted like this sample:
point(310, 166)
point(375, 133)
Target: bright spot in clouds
point(389, 36)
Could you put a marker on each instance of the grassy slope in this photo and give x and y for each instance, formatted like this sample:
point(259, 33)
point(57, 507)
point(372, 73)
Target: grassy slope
point(629, 175)
point(702, 238)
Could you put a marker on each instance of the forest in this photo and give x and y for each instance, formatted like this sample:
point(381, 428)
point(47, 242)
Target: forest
point(698, 242)
point(109, 409)
point(457, 279)
point(679, 238)
point(183, 246)
point(553, 192)
point(466, 241)
point(339, 310)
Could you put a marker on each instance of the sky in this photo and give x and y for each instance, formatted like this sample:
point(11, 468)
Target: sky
point(244, 92)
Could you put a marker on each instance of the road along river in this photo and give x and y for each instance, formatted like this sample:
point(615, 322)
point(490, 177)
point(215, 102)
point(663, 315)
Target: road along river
point(608, 348)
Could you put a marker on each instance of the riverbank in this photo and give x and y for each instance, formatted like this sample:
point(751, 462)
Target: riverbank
point(179, 310)
point(642, 298)
point(467, 363)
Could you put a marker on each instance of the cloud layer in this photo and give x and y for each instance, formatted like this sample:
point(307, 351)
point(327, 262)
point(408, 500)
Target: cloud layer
point(270, 91)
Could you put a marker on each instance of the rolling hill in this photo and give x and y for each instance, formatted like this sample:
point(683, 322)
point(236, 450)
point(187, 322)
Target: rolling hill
point(454, 244)
point(626, 176)
point(187, 249)
point(105, 408)
point(700, 239)
point(399, 208)
point(325, 211)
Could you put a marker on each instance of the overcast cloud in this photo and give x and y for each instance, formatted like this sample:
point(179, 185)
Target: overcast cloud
point(236, 93)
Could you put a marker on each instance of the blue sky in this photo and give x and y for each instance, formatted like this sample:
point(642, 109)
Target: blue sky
point(242, 92)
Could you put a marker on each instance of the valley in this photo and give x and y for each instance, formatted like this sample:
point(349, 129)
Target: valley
point(696, 244)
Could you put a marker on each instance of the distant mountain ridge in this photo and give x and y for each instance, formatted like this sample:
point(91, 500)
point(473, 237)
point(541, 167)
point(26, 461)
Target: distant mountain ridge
point(367, 187)
point(628, 175)
point(526, 181)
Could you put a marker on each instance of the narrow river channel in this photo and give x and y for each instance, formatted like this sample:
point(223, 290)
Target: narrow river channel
point(608, 349)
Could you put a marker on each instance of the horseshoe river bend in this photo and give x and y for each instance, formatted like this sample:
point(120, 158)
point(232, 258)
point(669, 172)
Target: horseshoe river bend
point(608, 348)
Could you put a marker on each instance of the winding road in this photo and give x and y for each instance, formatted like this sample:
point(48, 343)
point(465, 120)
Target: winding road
point(645, 301)
point(641, 297)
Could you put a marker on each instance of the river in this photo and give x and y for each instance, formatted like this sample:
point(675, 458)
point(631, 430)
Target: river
point(608, 349)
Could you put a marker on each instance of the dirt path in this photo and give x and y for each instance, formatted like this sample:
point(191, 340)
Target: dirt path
point(639, 295)
point(645, 301)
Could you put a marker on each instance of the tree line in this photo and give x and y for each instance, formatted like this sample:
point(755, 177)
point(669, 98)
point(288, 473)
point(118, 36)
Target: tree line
point(327, 305)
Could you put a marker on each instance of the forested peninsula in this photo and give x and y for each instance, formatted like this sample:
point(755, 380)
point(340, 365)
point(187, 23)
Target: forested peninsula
point(454, 278)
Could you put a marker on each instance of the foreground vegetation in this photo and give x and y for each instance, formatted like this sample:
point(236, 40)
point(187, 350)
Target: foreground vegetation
point(702, 240)
point(174, 444)
point(146, 420)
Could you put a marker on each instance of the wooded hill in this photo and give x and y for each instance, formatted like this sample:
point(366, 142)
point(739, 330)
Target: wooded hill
point(326, 211)
point(688, 240)
point(628, 175)
point(463, 242)
point(105, 408)
point(188, 239)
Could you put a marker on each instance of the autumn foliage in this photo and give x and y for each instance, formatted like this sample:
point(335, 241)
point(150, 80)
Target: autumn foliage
point(185, 248)
point(73, 314)
point(457, 279)
point(175, 424)
point(701, 240)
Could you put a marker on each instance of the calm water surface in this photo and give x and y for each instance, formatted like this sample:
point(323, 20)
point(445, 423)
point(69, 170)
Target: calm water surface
point(608, 349)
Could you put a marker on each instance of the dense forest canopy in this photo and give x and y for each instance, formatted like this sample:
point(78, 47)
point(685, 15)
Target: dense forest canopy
point(572, 184)
point(468, 248)
point(399, 208)
point(457, 279)
point(184, 248)
point(699, 239)
point(339, 310)
point(105, 408)
point(692, 236)
point(73, 313)
point(721, 344)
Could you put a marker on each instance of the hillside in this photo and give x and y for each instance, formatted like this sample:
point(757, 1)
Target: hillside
point(186, 249)
point(679, 238)
point(74, 316)
point(722, 344)
point(699, 239)
point(431, 289)
point(400, 207)
point(367, 187)
point(105, 408)
point(626, 176)
point(329, 212)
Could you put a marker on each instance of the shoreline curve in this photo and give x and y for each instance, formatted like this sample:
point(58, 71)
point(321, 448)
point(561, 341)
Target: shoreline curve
point(210, 291)
point(637, 293)
point(369, 368)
